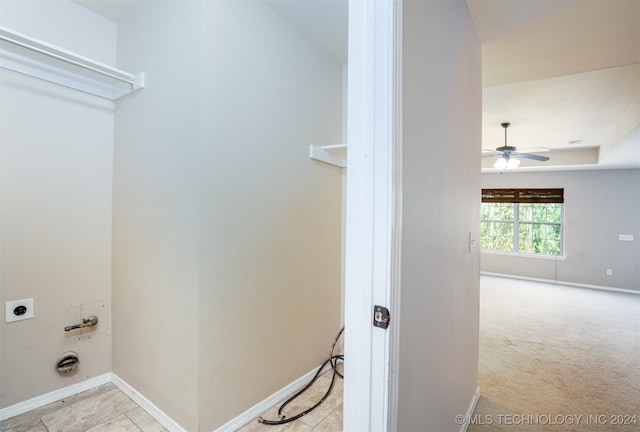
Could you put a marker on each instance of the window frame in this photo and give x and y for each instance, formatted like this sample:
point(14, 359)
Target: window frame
point(516, 197)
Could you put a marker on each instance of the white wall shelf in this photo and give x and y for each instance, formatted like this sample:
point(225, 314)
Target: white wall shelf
point(29, 56)
point(322, 154)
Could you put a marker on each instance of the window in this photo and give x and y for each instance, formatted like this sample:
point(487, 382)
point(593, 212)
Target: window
point(527, 221)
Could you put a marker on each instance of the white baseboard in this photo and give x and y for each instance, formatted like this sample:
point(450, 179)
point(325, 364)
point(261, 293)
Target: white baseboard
point(146, 405)
point(65, 392)
point(54, 396)
point(470, 410)
point(261, 407)
point(558, 282)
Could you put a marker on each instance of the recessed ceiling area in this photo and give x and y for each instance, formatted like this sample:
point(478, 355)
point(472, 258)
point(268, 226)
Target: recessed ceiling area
point(577, 112)
point(565, 74)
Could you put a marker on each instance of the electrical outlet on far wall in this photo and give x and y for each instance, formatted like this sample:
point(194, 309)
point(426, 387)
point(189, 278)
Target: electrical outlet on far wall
point(18, 310)
point(609, 272)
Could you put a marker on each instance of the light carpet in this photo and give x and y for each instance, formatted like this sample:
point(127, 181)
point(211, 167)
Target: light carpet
point(557, 358)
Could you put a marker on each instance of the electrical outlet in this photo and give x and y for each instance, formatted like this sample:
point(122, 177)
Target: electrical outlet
point(18, 310)
point(609, 272)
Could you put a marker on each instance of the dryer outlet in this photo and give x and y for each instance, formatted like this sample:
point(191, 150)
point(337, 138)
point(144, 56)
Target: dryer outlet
point(18, 310)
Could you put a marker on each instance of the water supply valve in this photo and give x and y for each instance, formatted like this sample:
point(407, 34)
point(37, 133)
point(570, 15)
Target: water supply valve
point(89, 322)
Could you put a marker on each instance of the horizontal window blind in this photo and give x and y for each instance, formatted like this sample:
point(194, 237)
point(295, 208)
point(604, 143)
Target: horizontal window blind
point(543, 196)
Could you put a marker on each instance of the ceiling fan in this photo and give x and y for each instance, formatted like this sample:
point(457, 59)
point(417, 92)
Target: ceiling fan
point(508, 154)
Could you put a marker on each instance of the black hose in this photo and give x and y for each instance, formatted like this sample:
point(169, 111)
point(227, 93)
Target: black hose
point(333, 359)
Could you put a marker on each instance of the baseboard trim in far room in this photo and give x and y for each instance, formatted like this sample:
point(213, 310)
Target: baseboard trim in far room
point(146, 405)
point(54, 396)
point(558, 282)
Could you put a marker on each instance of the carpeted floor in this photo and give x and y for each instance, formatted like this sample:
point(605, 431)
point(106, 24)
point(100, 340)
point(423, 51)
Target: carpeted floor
point(557, 358)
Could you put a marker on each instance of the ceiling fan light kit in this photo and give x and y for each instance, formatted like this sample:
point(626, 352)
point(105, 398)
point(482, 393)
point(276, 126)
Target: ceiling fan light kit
point(508, 163)
point(507, 154)
point(500, 164)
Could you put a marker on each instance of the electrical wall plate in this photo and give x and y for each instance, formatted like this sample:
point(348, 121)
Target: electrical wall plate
point(18, 310)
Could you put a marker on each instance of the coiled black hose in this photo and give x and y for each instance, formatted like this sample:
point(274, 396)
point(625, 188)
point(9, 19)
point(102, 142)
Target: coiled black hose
point(333, 359)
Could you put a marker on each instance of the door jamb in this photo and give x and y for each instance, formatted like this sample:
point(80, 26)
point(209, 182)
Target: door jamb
point(373, 219)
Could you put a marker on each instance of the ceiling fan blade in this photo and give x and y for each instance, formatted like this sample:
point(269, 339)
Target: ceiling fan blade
point(486, 152)
point(531, 156)
point(535, 150)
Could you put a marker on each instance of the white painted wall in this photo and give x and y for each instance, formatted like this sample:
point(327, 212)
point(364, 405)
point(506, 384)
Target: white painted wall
point(55, 207)
point(227, 237)
point(62, 23)
point(270, 217)
point(438, 345)
point(599, 205)
point(155, 209)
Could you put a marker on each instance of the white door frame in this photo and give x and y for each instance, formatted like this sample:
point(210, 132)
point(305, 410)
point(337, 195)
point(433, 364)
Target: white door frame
point(373, 213)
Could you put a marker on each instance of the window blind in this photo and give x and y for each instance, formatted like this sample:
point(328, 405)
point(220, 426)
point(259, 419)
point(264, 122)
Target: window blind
point(543, 196)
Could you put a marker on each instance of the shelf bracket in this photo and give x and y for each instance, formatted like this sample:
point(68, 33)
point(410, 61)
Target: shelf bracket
point(322, 154)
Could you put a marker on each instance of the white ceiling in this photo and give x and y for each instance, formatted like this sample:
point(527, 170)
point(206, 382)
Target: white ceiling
point(558, 71)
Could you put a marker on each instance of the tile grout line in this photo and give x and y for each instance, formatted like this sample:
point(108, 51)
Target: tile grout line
point(57, 411)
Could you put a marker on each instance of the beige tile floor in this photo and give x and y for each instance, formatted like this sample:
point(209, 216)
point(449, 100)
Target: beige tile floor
point(102, 409)
point(107, 409)
point(326, 418)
